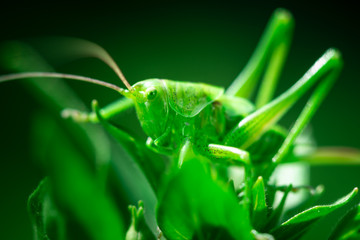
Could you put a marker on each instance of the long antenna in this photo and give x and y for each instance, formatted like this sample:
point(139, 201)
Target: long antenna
point(103, 55)
point(83, 48)
point(16, 76)
point(122, 77)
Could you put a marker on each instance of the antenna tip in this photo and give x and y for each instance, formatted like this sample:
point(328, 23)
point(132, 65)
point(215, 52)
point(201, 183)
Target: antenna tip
point(94, 104)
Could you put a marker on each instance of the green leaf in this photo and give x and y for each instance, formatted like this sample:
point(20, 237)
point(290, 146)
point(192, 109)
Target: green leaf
point(352, 229)
point(260, 209)
point(347, 219)
point(138, 229)
point(326, 227)
point(151, 164)
point(318, 222)
point(276, 214)
point(74, 186)
point(312, 197)
point(192, 200)
point(48, 223)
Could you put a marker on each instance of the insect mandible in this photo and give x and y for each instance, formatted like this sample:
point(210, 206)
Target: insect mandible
point(211, 121)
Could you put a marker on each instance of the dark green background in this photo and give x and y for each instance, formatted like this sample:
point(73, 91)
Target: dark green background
point(207, 41)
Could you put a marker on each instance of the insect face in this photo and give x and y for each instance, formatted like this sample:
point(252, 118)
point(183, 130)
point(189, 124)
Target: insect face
point(151, 105)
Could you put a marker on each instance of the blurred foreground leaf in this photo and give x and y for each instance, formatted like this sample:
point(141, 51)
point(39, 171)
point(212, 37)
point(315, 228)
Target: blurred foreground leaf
point(74, 187)
point(48, 222)
point(193, 205)
point(88, 139)
point(151, 163)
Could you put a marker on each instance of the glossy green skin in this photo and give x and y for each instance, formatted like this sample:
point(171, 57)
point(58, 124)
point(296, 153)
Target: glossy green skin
point(198, 112)
point(169, 120)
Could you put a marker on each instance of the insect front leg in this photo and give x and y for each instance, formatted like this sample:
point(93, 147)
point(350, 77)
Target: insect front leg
point(107, 112)
point(230, 156)
point(223, 155)
point(217, 153)
point(159, 145)
point(271, 51)
point(324, 72)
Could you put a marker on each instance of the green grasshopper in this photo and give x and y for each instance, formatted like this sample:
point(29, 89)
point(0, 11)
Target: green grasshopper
point(181, 118)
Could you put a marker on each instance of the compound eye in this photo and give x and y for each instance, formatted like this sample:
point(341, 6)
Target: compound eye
point(151, 93)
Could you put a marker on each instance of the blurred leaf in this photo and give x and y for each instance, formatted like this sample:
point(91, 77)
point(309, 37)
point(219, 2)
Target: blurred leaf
point(193, 200)
point(345, 222)
point(138, 229)
point(74, 186)
point(352, 229)
point(262, 236)
point(270, 191)
point(333, 155)
point(47, 221)
point(151, 163)
point(318, 221)
point(55, 95)
point(276, 214)
point(91, 140)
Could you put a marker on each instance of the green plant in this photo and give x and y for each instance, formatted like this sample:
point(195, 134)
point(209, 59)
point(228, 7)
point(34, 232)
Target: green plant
point(77, 190)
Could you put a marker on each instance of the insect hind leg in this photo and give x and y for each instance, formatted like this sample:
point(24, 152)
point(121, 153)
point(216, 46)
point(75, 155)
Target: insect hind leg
point(321, 75)
point(231, 156)
point(271, 51)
